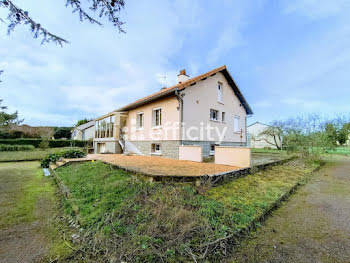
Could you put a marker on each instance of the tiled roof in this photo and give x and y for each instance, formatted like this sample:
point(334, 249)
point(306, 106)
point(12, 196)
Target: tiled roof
point(168, 91)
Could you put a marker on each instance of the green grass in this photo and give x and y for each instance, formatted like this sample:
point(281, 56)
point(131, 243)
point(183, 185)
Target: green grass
point(340, 151)
point(133, 220)
point(28, 200)
point(249, 197)
point(274, 151)
point(36, 154)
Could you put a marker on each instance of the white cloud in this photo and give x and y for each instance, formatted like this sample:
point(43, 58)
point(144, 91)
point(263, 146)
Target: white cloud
point(316, 9)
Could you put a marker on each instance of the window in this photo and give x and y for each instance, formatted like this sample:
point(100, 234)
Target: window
point(157, 117)
point(220, 92)
point(104, 128)
point(139, 121)
point(156, 149)
point(214, 115)
point(223, 116)
point(236, 127)
point(212, 149)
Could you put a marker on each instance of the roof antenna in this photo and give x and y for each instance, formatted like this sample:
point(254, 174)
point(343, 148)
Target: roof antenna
point(165, 81)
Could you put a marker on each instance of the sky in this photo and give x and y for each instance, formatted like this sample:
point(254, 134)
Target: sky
point(289, 58)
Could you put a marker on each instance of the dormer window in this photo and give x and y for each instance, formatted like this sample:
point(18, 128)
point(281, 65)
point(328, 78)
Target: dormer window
point(220, 93)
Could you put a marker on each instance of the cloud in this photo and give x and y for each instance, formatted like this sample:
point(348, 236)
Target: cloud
point(316, 9)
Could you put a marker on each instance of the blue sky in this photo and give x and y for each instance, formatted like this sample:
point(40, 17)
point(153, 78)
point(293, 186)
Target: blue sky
point(288, 57)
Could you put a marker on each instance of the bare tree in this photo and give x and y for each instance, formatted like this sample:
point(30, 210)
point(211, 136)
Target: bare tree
point(272, 135)
point(104, 8)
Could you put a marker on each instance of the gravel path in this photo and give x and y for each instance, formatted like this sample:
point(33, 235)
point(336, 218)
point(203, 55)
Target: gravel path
point(313, 226)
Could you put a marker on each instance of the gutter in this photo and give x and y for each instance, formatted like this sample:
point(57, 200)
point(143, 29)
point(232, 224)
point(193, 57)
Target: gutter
point(181, 102)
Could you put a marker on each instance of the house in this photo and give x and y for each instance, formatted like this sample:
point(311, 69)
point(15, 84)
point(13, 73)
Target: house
point(206, 110)
point(266, 140)
point(84, 132)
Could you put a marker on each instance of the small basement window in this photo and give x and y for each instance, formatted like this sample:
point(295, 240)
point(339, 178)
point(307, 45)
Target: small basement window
point(156, 149)
point(214, 115)
point(223, 116)
point(212, 149)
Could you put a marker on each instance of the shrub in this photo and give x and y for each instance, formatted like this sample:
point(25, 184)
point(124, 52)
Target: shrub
point(6, 147)
point(44, 144)
point(52, 143)
point(54, 157)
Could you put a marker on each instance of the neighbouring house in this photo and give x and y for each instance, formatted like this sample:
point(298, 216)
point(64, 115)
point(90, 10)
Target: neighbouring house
point(206, 110)
point(258, 138)
point(84, 132)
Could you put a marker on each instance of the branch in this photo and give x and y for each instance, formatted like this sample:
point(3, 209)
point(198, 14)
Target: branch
point(1, 71)
point(82, 14)
point(17, 16)
point(107, 8)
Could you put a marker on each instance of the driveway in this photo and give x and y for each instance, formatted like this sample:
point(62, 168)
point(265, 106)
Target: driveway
point(313, 226)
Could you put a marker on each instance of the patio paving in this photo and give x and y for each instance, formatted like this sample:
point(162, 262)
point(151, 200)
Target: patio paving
point(158, 166)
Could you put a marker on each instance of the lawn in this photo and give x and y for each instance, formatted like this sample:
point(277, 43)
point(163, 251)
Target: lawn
point(34, 155)
point(340, 151)
point(29, 229)
point(129, 219)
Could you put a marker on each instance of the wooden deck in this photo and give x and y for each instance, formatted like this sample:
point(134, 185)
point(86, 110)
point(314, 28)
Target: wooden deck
point(158, 166)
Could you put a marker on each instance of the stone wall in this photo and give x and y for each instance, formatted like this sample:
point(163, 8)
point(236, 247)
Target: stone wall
point(111, 146)
point(169, 149)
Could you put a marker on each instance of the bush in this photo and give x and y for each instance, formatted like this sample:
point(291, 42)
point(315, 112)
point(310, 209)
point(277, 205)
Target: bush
point(6, 147)
point(63, 132)
point(44, 144)
point(52, 143)
point(54, 157)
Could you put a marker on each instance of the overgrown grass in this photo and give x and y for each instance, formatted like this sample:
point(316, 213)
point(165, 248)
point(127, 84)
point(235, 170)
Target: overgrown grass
point(248, 198)
point(129, 219)
point(36, 154)
point(274, 151)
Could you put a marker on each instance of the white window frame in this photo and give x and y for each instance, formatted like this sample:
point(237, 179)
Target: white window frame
point(138, 116)
point(154, 150)
point(212, 115)
point(220, 92)
point(154, 119)
point(223, 116)
point(236, 124)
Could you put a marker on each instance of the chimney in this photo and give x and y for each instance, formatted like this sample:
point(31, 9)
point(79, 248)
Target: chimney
point(182, 77)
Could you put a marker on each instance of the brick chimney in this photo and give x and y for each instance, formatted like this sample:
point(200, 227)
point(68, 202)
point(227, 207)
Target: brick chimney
point(182, 77)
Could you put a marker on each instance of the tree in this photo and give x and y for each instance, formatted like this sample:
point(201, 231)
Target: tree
point(1, 71)
point(331, 134)
point(272, 135)
point(104, 8)
point(343, 134)
point(81, 122)
point(7, 119)
point(63, 132)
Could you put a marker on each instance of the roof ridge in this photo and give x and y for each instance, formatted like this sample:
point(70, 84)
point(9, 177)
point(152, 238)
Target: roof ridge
point(178, 85)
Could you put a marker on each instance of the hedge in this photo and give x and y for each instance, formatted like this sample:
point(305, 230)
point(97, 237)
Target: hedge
point(10, 147)
point(52, 143)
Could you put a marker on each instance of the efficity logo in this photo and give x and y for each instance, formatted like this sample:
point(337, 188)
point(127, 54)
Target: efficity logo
point(173, 131)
